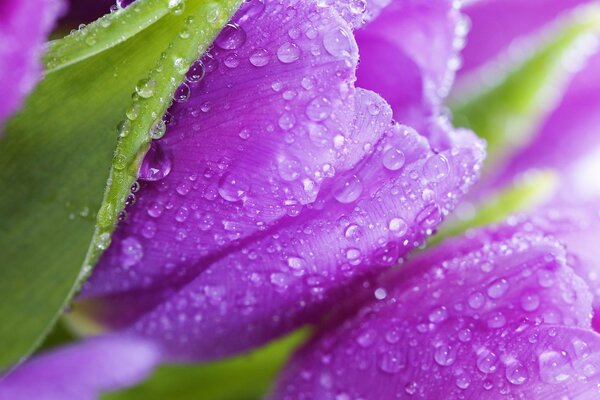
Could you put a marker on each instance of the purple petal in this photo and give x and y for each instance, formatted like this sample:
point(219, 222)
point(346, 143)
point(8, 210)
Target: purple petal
point(24, 27)
point(409, 55)
point(496, 24)
point(82, 371)
point(246, 234)
point(496, 314)
point(569, 132)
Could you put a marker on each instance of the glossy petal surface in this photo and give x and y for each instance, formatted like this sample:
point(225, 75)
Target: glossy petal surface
point(498, 313)
point(82, 371)
point(24, 27)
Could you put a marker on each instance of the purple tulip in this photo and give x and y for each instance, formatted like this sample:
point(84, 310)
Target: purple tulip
point(82, 371)
point(24, 28)
point(499, 313)
point(279, 184)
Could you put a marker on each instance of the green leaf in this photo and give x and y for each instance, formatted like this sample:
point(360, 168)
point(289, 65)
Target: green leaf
point(532, 189)
point(57, 154)
point(506, 107)
point(247, 377)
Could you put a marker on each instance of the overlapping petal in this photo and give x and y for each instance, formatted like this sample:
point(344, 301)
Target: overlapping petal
point(24, 27)
point(497, 314)
point(82, 371)
point(570, 128)
point(276, 185)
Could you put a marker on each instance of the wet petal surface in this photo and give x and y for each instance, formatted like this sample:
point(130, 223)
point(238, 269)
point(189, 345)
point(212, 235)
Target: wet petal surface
point(499, 313)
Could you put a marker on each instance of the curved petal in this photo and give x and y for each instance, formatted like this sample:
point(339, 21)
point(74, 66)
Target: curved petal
point(24, 27)
point(571, 130)
point(82, 371)
point(362, 223)
point(497, 313)
point(409, 56)
point(276, 184)
point(496, 24)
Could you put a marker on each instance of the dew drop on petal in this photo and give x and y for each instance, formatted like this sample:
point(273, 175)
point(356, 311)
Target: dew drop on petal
point(349, 190)
point(338, 42)
point(232, 189)
point(288, 52)
point(516, 373)
point(259, 58)
point(436, 168)
point(319, 109)
point(156, 164)
point(554, 366)
point(232, 37)
point(393, 159)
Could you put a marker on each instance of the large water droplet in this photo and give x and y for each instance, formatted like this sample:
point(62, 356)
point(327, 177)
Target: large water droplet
point(259, 58)
point(392, 361)
point(349, 190)
point(145, 88)
point(231, 37)
point(436, 168)
point(196, 72)
point(445, 355)
point(530, 302)
point(498, 288)
point(487, 361)
point(338, 42)
point(516, 373)
point(289, 168)
point(131, 252)
point(319, 109)
point(398, 226)
point(555, 366)
point(288, 53)
point(232, 188)
point(393, 159)
point(157, 163)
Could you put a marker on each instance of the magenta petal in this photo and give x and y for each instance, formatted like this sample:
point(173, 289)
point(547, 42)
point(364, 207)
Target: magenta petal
point(409, 55)
point(269, 122)
point(492, 315)
point(535, 363)
point(24, 27)
point(496, 24)
point(82, 371)
point(361, 223)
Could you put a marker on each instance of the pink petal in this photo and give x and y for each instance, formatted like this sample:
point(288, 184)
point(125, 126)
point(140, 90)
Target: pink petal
point(82, 371)
point(496, 314)
point(24, 27)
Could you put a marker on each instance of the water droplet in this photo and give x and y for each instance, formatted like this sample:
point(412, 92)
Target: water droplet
point(232, 37)
point(103, 241)
point(296, 263)
point(353, 255)
point(516, 373)
point(338, 42)
point(182, 94)
point(392, 361)
point(436, 168)
point(288, 53)
point(232, 188)
point(445, 355)
point(530, 302)
point(380, 293)
point(497, 288)
point(287, 121)
point(353, 232)
point(554, 366)
point(196, 72)
point(349, 190)
point(131, 252)
point(259, 58)
point(145, 88)
point(156, 164)
point(463, 382)
point(289, 168)
point(497, 320)
point(438, 314)
point(398, 226)
point(487, 361)
point(393, 159)
point(319, 109)
point(476, 300)
point(158, 129)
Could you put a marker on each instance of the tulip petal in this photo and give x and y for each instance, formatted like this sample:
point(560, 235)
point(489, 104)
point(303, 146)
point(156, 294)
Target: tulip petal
point(252, 236)
point(363, 222)
point(409, 56)
point(24, 27)
point(491, 34)
point(82, 371)
point(497, 313)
